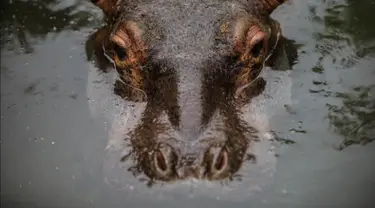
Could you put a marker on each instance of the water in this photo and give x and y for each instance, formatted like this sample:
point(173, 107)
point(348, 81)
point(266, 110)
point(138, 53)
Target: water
point(55, 123)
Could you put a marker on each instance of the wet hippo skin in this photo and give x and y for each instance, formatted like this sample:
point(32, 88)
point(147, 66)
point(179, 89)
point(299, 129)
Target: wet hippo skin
point(195, 64)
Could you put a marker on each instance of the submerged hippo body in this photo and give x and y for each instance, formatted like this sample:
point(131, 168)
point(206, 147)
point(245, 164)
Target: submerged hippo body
point(192, 65)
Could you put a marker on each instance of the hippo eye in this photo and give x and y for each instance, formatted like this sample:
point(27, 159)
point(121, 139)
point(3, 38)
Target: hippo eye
point(120, 52)
point(257, 49)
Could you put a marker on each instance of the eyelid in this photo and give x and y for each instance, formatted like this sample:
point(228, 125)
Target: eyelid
point(121, 38)
point(255, 35)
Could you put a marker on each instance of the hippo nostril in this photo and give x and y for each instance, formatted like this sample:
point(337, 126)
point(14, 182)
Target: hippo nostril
point(221, 161)
point(160, 161)
point(163, 163)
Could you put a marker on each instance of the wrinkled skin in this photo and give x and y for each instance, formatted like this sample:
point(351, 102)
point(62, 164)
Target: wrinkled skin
point(195, 63)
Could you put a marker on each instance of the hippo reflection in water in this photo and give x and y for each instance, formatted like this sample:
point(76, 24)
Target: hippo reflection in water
point(195, 64)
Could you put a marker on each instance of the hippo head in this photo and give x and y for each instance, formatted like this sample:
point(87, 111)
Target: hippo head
point(195, 64)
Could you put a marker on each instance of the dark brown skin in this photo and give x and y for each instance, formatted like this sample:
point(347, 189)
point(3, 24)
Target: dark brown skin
point(195, 63)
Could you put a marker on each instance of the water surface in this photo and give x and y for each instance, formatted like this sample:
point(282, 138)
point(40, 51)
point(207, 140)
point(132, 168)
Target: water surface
point(57, 119)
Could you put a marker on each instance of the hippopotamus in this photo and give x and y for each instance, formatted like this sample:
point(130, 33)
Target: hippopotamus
point(193, 65)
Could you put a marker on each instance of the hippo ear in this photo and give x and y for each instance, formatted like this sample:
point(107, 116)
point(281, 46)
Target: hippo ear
point(269, 5)
point(108, 6)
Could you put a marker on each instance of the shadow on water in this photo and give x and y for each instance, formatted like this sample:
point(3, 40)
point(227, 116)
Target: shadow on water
point(346, 43)
point(24, 21)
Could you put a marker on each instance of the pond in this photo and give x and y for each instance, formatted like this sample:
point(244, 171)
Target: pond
point(58, 116)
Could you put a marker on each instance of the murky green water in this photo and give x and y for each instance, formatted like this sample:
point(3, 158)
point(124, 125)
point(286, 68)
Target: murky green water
point(53, 140)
